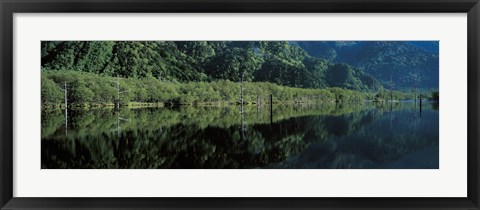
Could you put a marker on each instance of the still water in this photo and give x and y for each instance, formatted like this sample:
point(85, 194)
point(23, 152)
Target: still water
point(317, 136)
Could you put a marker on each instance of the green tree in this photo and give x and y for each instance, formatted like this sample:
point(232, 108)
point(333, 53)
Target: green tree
point(50, 91)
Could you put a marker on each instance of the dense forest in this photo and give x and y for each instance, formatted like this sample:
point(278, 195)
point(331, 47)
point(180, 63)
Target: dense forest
point(192, 72)
point(90, 89)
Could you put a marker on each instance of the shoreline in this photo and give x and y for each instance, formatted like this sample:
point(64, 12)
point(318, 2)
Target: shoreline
point(161, 104)
point(134, 105)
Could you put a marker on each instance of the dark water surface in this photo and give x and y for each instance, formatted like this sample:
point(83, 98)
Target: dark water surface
point(320, 136)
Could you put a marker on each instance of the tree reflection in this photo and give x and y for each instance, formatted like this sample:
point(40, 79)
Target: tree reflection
point(313, 136)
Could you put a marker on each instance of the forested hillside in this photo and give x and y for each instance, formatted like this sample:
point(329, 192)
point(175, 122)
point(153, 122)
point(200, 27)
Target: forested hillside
point(264, 61)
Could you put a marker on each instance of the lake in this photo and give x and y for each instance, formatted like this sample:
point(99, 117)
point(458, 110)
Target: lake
point(307, 136)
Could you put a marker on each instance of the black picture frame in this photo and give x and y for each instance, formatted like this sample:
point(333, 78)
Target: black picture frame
point(9, 7)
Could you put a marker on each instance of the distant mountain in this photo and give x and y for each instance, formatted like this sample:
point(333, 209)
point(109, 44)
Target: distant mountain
point(432, 46)
point(395, 63)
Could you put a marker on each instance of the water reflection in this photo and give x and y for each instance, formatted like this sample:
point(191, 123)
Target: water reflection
point(292, 136)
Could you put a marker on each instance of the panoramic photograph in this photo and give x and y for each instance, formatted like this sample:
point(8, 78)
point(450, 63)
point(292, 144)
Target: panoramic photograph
point(239, 104)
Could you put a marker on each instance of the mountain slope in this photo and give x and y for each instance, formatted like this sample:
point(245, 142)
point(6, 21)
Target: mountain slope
point(184, 61)
point(402, 64)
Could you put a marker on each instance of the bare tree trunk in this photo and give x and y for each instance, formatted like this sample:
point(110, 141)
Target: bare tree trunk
point(66, 106)
point(118, 92)
point(271, 108)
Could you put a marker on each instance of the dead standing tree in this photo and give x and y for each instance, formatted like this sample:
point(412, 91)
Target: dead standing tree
point(415, 81)
point(391, 90)
point(242, 110)
point(117, 104)
point(65, 90)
